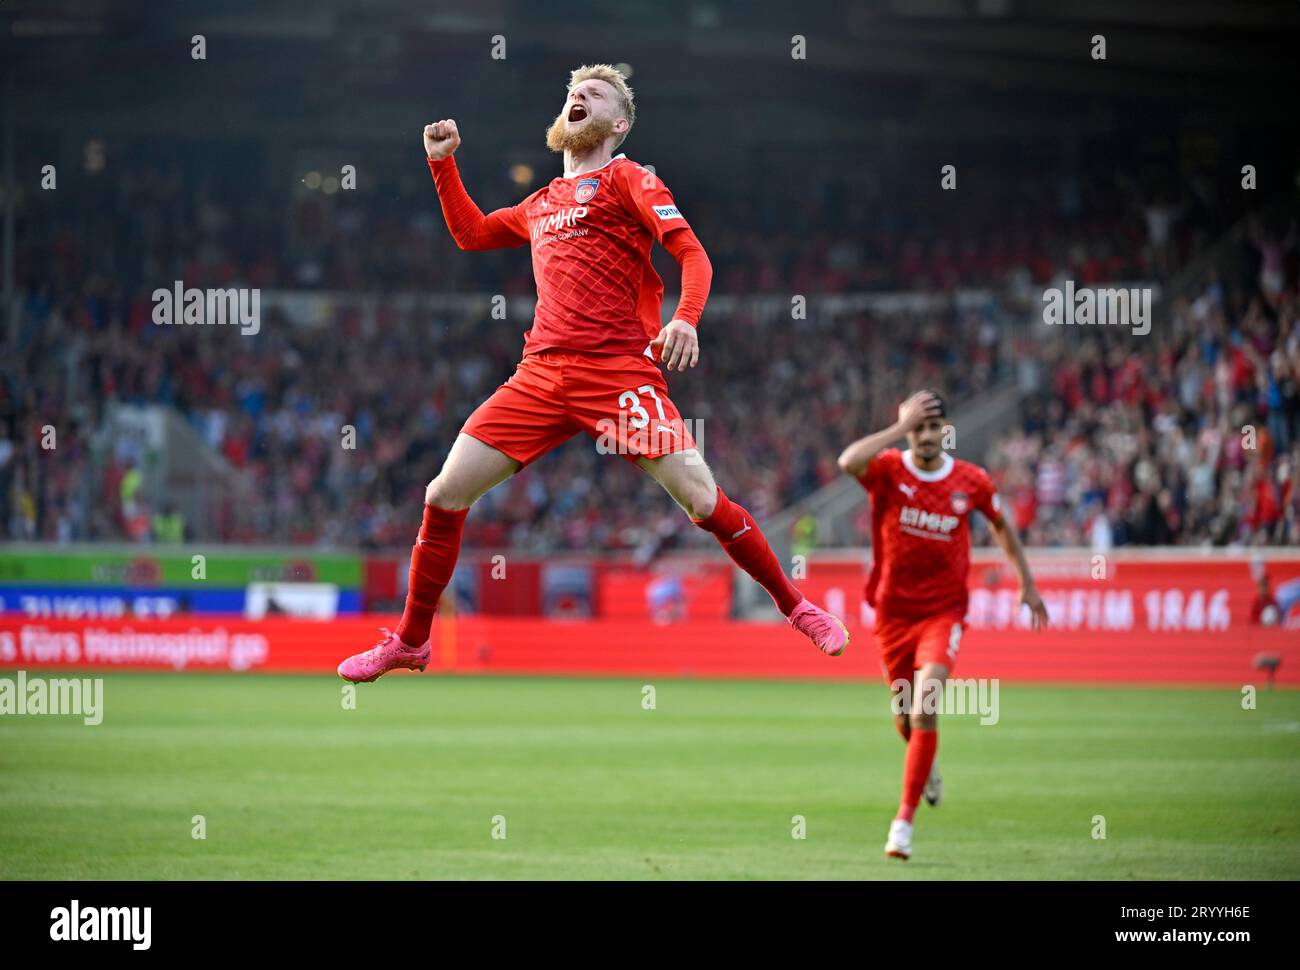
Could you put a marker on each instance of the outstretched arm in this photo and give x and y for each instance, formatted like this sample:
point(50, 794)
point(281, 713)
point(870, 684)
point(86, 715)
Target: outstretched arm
point(911, 414)
point(471, 229)
point(1006, 537)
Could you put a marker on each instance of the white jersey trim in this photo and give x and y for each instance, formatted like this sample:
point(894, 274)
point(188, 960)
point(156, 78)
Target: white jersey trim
point(575, 175)
point(938, 475)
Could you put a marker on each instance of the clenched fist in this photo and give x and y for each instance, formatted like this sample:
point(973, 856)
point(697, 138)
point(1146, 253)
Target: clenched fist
point(441, 138)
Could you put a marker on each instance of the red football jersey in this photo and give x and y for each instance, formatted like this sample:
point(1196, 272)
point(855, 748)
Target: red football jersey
point(920, 532)
point(591, 236)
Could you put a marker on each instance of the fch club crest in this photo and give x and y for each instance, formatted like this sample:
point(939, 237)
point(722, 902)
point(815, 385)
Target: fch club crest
point(586, 190)
point(960, 503)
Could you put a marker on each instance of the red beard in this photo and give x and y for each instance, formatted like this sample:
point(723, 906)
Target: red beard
point(580, 141)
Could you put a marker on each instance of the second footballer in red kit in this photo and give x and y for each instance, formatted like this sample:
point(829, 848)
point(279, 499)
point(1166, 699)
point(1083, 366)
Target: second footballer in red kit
point(921, 500)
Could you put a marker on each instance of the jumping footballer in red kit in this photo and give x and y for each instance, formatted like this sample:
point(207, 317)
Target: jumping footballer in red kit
point(591, 360)
point(921, 500)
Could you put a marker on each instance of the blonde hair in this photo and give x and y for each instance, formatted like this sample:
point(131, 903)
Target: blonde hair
point(615, 78)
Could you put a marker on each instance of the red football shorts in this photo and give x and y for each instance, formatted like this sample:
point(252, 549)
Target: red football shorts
point(906, 645)
point(620, 400)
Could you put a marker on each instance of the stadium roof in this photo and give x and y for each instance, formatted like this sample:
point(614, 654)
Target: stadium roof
point(364, 69)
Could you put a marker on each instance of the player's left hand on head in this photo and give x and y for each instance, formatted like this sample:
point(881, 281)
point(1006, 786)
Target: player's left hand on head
point(677, 346)
point(1038, 612)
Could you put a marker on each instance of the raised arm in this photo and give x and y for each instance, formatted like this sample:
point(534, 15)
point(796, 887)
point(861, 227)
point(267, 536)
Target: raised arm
point(911, 414)
point(472, 230)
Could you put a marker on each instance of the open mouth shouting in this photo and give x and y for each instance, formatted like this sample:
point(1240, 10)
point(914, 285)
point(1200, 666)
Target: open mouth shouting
point(577, 113)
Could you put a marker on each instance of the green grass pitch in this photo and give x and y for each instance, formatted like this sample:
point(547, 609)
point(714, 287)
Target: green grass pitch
point(593, 786)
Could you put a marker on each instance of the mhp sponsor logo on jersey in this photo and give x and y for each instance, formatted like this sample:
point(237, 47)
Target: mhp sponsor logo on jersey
point(94, 924)
point(930, 525)
point(586, 190)
point(565, 218)
point(667, 212)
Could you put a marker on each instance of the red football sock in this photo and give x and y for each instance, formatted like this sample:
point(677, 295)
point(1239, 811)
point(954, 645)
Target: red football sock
point(433, 557)
point(740, 536)
point(916, 769)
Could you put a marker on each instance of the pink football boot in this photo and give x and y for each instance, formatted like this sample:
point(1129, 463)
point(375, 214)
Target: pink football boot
point(824, 629)
point(388, 654)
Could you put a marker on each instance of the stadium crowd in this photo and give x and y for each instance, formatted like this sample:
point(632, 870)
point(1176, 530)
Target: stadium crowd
point(768, 404)
point(1187, 435)
point(143, 222)
point(1122, 442)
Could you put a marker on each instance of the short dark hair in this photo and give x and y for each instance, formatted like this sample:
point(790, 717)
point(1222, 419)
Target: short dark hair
point(943, 404)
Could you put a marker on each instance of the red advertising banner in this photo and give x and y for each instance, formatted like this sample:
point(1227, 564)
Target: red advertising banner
point(1117, 621)
point(1098, 594)
point(673, 588)
point(671, 592)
